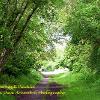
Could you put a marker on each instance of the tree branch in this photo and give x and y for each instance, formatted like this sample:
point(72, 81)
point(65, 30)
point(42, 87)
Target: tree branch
point(25, 25)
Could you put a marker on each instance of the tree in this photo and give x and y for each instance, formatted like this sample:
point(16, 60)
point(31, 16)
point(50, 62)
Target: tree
point(19, 21)
point(83, 25)
point(15, 23)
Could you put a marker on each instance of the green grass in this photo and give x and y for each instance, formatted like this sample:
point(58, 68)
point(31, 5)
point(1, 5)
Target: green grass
point(67, 78)
point(7, 97)
point(29, 80)
point(78, 86)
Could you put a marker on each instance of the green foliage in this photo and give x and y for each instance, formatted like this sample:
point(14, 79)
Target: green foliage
point(5, 38)
point(7, 97)
point(14, 22)
point(79, 86)
point(84, 21)
point(83, 25)
point(24, 42)
point(31, 79)
point(30, 50)
point(22, 79)
point(77, 56)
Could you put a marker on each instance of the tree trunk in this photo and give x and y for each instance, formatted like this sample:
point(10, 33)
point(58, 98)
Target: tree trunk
point(7, 52)
point(4, 57)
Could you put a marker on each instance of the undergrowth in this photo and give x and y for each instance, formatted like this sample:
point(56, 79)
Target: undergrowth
point(79, 86)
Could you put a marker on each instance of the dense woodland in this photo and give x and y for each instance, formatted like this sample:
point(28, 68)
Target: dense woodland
point(27, 34)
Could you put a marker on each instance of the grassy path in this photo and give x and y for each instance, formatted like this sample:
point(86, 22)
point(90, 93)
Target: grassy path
point(43, 86)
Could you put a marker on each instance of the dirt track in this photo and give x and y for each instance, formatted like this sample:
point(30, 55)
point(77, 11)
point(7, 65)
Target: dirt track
point(43, 86)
